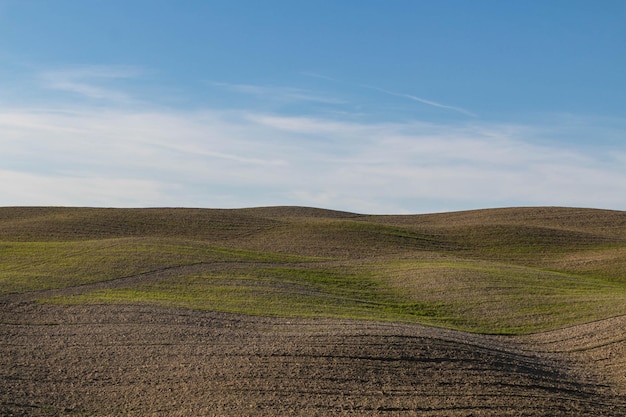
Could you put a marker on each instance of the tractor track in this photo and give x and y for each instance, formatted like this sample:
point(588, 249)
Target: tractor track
point(143, 360)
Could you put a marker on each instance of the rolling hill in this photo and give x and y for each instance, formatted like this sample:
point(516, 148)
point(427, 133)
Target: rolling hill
point(534, 297)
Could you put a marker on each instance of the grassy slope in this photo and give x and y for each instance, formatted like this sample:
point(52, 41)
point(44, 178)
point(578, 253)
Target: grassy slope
point(498, 271)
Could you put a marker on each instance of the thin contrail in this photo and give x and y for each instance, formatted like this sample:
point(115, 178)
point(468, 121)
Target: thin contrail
point(393, 93)
point(424, 101)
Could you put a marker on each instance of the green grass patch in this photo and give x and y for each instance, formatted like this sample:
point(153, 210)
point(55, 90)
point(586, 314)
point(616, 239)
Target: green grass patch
point(491, 297)
point(31, 266)
point(470, 295)
point(276, 291)
point(494, 271)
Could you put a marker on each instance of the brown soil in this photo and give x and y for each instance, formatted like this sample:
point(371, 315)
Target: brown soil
point(144, 360)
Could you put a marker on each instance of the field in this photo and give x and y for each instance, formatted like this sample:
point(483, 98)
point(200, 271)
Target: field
point(302, 311)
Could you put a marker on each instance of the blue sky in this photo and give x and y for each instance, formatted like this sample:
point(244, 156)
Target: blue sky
point(369, 106)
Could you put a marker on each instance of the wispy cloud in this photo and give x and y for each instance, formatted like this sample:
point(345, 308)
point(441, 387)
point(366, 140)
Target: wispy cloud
point(393, 93)
point(288, 94)
point(214, 158)
point(90, 81)
point(139, 155)
point(31, 188)
point(424, 101)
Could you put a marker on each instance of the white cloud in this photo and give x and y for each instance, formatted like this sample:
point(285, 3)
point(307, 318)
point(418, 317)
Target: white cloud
point(24, 188)
point(88, 81)
point(279, 93)
point(214, 158)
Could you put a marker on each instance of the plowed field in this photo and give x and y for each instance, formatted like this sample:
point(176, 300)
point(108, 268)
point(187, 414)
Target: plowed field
point(142, 360)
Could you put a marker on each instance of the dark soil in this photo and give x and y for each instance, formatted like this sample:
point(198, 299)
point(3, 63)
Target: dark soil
point(144, 360)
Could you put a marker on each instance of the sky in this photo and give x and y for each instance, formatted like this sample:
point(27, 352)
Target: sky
point(369, 106)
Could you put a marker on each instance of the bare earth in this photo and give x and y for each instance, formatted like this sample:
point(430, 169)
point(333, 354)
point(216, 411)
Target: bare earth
point(144, 360)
